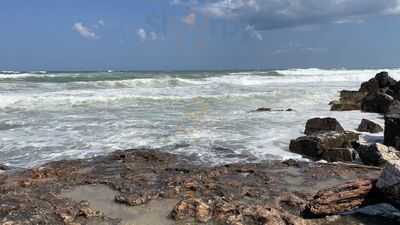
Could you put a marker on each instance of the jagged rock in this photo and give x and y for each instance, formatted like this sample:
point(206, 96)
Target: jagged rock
point(349, 100)
point(392, 130)
point(389, 182)
point(384, 80)
point(381, 80)
point(317, 125)
point(192, 207)
point(340, 199)
point(369, 126)
point(377, 102)
point(330, 146)
point(377, 154)
point(369, 86)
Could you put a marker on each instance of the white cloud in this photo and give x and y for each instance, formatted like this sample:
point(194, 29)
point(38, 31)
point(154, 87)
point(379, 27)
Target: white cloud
point(142, 34)
point(275, 14)
point(84, 31)
point(189, 19)
point(254, 33)
point(145, 35)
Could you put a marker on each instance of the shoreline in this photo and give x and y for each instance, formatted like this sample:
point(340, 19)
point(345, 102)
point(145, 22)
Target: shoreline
point(344, 182)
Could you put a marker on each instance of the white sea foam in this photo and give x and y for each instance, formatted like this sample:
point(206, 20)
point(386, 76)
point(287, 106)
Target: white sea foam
point(78, 115)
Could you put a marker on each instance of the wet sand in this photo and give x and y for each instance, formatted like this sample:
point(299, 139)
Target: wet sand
point(101, 198)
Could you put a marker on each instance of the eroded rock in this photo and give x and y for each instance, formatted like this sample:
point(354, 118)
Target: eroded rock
point(331, 146)
point(317, 125)
point(343, 198)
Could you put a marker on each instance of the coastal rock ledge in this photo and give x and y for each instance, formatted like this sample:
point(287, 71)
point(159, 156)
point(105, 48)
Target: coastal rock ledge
point(144, 187)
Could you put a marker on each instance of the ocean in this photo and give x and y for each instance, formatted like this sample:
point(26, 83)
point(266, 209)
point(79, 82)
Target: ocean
point(205, 115)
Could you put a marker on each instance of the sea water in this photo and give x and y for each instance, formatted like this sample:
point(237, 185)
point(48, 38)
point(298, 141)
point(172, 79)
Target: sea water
point(205, 115)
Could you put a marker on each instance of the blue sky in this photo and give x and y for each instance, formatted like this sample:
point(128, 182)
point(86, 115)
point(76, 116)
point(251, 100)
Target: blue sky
point(198, 34)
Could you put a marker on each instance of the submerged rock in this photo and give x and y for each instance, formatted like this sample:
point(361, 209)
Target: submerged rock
point(317, 125)
point(369, 126)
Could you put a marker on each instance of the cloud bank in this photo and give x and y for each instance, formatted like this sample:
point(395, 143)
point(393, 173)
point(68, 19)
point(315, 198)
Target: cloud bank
point(275, 14)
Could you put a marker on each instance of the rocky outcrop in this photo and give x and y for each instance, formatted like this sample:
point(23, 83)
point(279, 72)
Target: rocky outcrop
point(330, 146)
point(349, 100)
point(318, 125)
point(389, 182)
point(369, 126)
point(376, 95)
point(392, 130)
point(343, 198)
point(377, 154)
point(272, 192)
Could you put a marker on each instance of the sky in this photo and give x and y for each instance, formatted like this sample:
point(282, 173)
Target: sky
point(198, 34)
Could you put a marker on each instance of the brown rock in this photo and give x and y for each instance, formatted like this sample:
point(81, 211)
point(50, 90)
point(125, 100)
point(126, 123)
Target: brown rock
point(344, 198)
point(317, 125)
point(331, 146)
point(369, 126)
point(349, 100)
point(192, 207)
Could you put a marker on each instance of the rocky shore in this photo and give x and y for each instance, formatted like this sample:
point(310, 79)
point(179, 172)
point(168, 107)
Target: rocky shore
point(345, 180)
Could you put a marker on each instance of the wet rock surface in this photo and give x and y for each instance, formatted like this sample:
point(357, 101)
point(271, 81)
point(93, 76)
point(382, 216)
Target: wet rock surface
point(330, 146)
point(377, 154)
point(369, 126)
point(268, 193)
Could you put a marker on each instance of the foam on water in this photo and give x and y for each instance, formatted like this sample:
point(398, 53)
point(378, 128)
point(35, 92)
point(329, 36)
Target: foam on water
point(57, 115)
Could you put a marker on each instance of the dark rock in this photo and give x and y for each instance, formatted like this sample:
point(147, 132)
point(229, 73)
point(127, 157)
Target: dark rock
point(370, 86)
point(369, 126)
point(381, 80)
point(317, 125)
point(340, 199)
point(349, 100)
point(377, 102)
point(377, 154)
point(330, 146)
point(263, 110)
point(384, 80)
point(392, 130)
point(389, 182)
